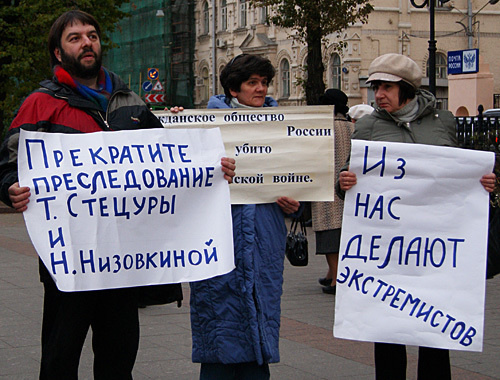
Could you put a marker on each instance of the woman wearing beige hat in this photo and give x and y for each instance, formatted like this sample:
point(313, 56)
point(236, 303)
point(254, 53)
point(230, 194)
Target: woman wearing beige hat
point(405, 113)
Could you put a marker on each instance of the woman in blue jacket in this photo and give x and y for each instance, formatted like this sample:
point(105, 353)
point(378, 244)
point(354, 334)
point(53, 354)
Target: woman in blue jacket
point(235, 318)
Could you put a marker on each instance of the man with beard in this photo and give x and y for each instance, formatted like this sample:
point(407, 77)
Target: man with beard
point(82, 97)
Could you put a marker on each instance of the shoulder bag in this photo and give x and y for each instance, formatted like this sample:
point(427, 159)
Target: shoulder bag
point(296, 243)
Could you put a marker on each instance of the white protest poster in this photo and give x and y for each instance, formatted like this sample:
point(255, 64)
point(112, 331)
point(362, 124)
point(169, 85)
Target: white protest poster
point(412, 258)
point(279, 151)
point(128, 208)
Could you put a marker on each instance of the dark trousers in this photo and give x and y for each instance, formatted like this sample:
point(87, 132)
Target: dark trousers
point(390, 363)
point(239, 371)
point(113, 317)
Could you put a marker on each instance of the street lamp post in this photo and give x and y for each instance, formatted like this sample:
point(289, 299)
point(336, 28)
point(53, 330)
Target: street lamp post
point(432, 43)
point(470, 16)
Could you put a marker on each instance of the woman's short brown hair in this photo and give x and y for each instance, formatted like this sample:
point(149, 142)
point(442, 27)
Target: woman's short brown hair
point(241, 68)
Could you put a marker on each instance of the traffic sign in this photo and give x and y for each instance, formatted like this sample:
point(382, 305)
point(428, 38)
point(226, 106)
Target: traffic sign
point(158, 86)
point(153, 73)
point(147, 86)
point(154, 98)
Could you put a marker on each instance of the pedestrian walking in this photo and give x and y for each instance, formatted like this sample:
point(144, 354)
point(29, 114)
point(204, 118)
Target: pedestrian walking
point(327, 216)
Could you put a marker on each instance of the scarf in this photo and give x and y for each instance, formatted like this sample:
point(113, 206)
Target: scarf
point(99, 97)
point(236, 104)
point(408, 112)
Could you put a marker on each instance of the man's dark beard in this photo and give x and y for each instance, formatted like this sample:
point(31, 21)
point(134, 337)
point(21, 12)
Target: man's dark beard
point(76, 69)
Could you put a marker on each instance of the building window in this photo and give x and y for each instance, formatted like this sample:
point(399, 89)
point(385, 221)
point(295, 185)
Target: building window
point(205, 91)
point(206, 18)
point(496, 100)
point(243, 13)
point(223, 15)
point(441, 66)
point(285, 78)
point(263, 15)
point(336, 71)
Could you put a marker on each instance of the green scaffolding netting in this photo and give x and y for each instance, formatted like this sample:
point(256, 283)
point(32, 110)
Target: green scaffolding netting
point(160, 40)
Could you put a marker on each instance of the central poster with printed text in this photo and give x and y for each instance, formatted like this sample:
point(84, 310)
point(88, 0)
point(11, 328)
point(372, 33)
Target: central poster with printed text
point(129, 208)
point(412, 260)
point(279, 151)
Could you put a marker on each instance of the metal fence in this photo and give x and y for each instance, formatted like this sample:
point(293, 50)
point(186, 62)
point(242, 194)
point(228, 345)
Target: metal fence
point(481, 133)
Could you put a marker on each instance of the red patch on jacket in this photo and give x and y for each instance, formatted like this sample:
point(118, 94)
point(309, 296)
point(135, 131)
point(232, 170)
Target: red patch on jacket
point(40, 107)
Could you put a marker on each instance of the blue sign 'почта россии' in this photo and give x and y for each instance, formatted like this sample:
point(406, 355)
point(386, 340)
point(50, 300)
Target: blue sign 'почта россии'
point(463, 61)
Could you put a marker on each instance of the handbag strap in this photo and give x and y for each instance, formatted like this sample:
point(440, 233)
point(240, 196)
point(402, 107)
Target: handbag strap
point(303, 225)
point(293, 226)
point(296, 222)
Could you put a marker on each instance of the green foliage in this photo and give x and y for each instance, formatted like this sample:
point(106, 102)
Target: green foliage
point(313, 20)
point(24, 58)
point(327, 15)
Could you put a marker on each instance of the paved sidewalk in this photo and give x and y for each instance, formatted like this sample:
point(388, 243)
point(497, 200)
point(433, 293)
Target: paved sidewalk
point(308, 349)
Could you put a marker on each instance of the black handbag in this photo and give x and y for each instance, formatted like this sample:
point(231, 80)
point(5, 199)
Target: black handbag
point(493, 258)
point(296, 243)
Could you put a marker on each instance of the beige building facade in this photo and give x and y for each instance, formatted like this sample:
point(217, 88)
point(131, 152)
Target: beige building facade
point(226, 28)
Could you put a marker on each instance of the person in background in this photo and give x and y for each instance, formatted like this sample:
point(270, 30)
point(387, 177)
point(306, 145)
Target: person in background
point(235, 318)
point(358, 111)
point(405, 113)
point(327, 216)
point(82, 97)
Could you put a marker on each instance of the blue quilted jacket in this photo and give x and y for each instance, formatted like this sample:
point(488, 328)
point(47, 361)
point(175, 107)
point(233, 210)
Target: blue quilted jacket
point(235, 318)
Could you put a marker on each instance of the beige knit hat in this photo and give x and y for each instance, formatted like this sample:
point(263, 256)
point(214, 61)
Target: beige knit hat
point(393, 68)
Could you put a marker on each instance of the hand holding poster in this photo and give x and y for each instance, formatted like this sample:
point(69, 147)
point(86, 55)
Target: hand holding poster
point(111, 210)
point(412, 257)
point(279, 151)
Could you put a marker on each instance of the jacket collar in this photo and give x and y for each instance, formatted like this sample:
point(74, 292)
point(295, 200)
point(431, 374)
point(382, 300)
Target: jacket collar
point(426, 105)
point(60, 90)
